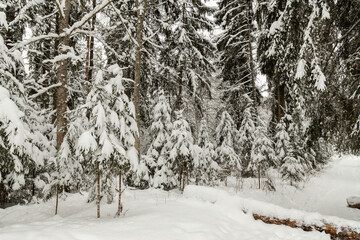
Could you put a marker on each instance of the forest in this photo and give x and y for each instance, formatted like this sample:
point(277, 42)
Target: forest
point(105, 96)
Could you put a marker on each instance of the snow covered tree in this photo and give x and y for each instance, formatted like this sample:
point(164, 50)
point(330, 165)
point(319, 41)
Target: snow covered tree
point(245, 136)
point(181, 149)
point(227, 158)
point(282, 141)
point(160, 133)
point(23, 145)
point(262, 152)
point(206, 168)
point(108, 142)
point(236, 44)
point(292, 170)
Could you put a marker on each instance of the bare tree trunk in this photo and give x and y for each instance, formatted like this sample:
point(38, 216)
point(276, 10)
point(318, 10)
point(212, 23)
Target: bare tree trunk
point(180, 90)
point(280, 100)
point(183, 175)
point(251, 59)
point(259, 177)
point(90, 54)
point(140, 11)
point(57, 199)
point(61, 75)
point(119, 202)
point(98, 194)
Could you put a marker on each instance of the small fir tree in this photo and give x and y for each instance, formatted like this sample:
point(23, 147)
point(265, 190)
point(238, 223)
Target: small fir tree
point(245, 137)
point(108, 142)
point(262, 152)
point(227, 158)
point(206, 169)
point(160, 129)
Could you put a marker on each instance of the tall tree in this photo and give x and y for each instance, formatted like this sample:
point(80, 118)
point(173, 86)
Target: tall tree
point(236, 45)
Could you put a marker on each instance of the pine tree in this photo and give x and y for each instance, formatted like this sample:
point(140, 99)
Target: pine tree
point(282, 140)
point(262, 152)
point(292, 169)
point(245, 136)
point(181, 149)
point(236, 45)
point(206, 169)
point(160, 133)
point(227, 158)
point(108, 142)
point(23, 145)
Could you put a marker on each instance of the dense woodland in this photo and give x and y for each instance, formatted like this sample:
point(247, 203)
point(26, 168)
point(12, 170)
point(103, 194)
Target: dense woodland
point(98, 95)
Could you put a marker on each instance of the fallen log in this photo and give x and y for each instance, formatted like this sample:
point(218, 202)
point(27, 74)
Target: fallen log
point(344, 233)
point(353, 202)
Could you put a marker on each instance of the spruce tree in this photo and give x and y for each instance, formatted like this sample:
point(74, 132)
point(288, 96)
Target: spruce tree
point(160, 133)
point(245, 136)
point(181, 149)
point(262, 153)
point(227, 158)
point(236, 45)
point(108, 142)
point(206, 168)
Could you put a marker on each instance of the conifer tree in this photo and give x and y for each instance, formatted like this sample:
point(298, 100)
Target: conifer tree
point(245, 136)
point(262, 152)
point(282, 141)
point(236, 45)
point(160, 133)
point(227, 158)
point(206, 168)
point(181, 149)
point(108, 142)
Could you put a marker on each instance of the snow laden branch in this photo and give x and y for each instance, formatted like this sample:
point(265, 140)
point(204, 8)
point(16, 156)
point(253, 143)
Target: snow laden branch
point(44, 90)
point(68, 31)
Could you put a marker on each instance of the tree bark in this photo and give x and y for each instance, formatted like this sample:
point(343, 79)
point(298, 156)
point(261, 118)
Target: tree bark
point(57, 199)
point(259, 177)
point(180, 90)
point(280, 100)
point(90, 54)
point(140, 11)
point(98, 194)
point(119, 202)
point(251, 59)
point(61, 75)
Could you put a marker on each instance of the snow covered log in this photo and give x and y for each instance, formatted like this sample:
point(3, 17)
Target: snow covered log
point(353, 202)
point(343, 233)
point(337, 227)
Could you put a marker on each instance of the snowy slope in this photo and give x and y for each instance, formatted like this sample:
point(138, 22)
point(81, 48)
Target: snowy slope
point(150, 214)
point(324, 193)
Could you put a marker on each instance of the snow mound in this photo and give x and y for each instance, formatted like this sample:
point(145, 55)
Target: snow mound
point(222, 197)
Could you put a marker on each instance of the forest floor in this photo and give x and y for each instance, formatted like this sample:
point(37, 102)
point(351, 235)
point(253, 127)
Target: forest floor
point(200, 213)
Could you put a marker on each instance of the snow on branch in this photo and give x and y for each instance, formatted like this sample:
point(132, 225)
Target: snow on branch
point(44, 90)
point(22, 12)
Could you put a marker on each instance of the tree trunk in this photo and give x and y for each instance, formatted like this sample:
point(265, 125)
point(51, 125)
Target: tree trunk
point(98, 194)
point(119, 202)
point(183, 175)
point(259, 177)
point(61, 75)
point(280, 100)
point(140, 11)
point(179, 97)
point(251, 59)
point(57, 199)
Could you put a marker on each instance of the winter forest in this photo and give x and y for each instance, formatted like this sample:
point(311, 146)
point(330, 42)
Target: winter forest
point(230, 110)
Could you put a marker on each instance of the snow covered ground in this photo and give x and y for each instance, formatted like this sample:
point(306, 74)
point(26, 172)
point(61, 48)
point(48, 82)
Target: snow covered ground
point(325, 193)
point(196, 215)
point(149, 214)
